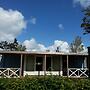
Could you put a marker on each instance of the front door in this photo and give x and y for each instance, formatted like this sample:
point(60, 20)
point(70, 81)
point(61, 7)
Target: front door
point(48, 64)
point(39, 63)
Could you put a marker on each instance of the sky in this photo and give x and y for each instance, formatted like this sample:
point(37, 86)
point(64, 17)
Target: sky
point(43, 24)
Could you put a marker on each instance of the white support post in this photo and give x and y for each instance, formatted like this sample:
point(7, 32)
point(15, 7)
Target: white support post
point(67, 67)
point(21, 65)
point(85, 62)
point(35, 63)
point(44, 64)
point(51, 63)
point(61, 71)
point(24, 62)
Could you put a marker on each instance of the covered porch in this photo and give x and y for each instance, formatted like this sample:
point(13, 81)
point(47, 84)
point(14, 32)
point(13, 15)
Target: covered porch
point(17, 64)
point(71, 65)
point(43, 65)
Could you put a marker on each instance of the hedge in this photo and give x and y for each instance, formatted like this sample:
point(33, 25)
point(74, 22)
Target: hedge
point(44, 83)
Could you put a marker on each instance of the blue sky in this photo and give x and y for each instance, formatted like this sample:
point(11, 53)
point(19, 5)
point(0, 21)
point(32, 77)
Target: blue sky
point(49, 20)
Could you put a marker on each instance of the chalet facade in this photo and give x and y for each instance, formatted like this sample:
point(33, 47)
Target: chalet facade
point(17, 63)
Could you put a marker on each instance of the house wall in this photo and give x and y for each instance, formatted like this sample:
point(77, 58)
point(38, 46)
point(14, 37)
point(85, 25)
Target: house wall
point(55, 63)
point(30, 62)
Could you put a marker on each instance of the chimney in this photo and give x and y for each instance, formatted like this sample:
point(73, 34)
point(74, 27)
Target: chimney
point(57, 50)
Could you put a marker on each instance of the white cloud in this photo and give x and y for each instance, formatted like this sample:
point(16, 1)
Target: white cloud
point(61, 26)
point(33, 20)
point(32, 45)
point(11, 24)
point(63, 46)
point(83, 3)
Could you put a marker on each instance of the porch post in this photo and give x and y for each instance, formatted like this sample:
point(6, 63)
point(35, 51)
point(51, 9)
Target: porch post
point(85, 62)
point(44, 65)
point(21, 65)
point(34, 62)
point(51, 63)
point(24, 62)
point(61, 72)
point(67, 67)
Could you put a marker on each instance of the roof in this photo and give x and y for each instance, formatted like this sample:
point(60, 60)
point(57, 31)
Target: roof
point(40, 53)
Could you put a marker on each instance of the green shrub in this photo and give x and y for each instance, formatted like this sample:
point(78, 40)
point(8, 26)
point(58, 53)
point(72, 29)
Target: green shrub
point(44, 83)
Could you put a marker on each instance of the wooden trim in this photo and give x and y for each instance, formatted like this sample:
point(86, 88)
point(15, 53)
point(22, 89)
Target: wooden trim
point(40, 53)
point(78, 72)
point(9, 72)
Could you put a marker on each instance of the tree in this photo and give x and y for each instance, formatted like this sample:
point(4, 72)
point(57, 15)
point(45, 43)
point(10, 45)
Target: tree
point(20, 48)
point(76, 45)
point(14, 46)
point(4, 45)
point(86, 21)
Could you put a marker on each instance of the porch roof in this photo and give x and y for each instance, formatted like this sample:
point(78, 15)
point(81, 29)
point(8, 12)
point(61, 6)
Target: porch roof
point(41, 53)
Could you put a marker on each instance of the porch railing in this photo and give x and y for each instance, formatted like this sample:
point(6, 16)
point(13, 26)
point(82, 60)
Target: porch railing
point(9, 72)
point(78, 72)
point(42, 73)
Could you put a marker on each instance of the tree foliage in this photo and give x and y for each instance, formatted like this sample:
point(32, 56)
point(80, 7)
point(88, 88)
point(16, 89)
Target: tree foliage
point(76, 45)
point(86, 21)
point(12, 46)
